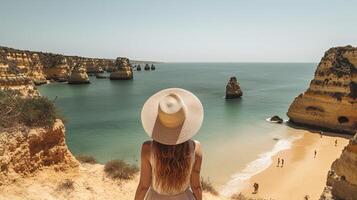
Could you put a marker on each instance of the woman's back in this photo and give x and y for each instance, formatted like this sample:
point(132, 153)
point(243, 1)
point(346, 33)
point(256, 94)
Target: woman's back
point(171, 167)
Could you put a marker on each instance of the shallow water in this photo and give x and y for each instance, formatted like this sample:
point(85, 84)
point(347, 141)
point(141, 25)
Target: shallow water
point(104, 116)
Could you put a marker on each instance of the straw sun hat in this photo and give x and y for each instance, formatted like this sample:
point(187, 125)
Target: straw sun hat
point(172, 116)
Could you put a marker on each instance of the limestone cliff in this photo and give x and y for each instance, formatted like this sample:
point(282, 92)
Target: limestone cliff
point(27, 63)
point(11, 78)
point(78, 75)
point(26, 150)
point(342, 178)
point(59, 70)
point(123, 71)
point(233, 89)
point(331, 100)
point(40, 66)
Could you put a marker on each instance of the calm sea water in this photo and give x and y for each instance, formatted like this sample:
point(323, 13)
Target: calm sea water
point(104, 116)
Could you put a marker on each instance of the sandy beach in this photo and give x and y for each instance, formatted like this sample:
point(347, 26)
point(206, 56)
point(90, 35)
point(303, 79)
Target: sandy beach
point(302, 174)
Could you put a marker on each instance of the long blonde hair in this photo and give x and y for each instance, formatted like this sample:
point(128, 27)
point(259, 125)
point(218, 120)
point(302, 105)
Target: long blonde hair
point(172, 165)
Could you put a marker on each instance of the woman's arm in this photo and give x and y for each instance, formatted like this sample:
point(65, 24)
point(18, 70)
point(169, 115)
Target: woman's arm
point(196, 170)
point(145, 173)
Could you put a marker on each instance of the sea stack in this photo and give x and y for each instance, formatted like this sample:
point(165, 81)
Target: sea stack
point(147, 67)
point(233, 89)
point(138, 68)
point(276, 119)
point(331, 100)
point(342, 178)
point(153, 67)
point(78, 75)
point(123, 70)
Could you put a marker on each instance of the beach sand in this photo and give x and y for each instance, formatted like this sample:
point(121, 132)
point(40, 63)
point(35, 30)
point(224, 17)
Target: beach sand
point(302, 174)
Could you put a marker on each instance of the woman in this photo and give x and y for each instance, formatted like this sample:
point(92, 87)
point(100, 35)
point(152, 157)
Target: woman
point(171, 162)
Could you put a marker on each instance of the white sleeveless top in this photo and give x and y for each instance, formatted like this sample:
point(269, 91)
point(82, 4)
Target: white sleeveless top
point(174, 191)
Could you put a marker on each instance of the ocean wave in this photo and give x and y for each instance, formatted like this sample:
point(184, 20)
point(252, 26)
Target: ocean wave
point(240, 180)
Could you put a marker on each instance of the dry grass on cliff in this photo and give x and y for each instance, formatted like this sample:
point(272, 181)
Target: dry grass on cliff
point(118, 169)
point(86, 159)
point(242, 197)
point(67, 184)
point(207, 186)
point(32, 112)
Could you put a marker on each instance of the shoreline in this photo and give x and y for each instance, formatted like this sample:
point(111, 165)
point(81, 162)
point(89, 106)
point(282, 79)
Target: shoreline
point(298, 177)
point(264, 160)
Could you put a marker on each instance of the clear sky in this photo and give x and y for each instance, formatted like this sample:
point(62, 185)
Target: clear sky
point(181, 30)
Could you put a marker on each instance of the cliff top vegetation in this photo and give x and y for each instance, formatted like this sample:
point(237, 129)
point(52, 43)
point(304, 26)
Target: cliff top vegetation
point(32, 112)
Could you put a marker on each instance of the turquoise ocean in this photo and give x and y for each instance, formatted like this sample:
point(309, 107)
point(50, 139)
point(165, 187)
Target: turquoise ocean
point(103, 118)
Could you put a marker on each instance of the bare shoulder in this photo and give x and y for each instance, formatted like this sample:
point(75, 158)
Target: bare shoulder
point(198, 151)
point(146, 148)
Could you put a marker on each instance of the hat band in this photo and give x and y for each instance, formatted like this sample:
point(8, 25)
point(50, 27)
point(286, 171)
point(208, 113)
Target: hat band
point(173, 120)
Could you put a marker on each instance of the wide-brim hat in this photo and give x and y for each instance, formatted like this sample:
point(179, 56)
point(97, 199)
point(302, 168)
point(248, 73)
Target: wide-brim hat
point(172, 116)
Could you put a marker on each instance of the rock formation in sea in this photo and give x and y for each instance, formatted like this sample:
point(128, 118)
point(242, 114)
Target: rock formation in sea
point(331, 100)
point(153, 67)
point(233, 89)
point(123, 70)
point(40, 66)
point(147, 67)
point(276, 119)
point(78, 75)
point(342, 178)
point(138, 68)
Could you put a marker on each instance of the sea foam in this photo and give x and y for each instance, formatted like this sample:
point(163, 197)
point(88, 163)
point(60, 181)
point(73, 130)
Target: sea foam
point(240, 180)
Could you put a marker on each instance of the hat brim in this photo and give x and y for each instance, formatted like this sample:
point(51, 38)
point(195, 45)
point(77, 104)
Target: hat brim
point(172, 136)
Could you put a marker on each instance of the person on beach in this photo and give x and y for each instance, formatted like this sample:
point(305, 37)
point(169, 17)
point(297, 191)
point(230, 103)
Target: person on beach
point(321, 133)
point(282, 162)
point(335, 143)
point(171, 161)
point(256, 188)
point(315, 154)
point(278, 162)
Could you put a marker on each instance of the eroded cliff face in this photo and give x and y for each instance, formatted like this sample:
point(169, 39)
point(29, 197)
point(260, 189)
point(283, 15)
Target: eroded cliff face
point(331, 100)
point(342, 178)
point(123, 70)
point(26, 63)
point(11, 78)
point(59, 71)
point(24, 151)
point(40, 67)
